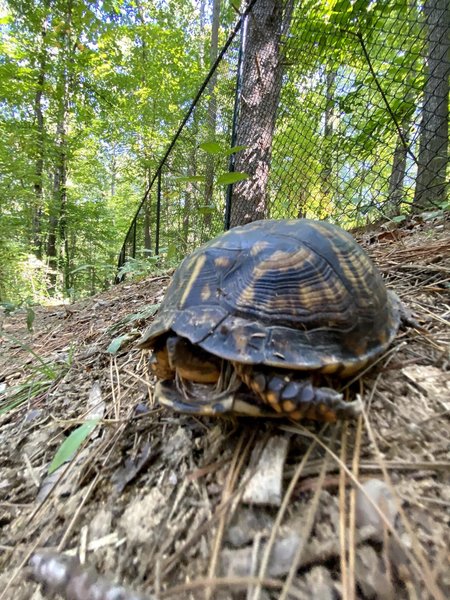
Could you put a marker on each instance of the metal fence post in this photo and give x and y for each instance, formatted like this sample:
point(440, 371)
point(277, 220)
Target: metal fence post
point(158, 213)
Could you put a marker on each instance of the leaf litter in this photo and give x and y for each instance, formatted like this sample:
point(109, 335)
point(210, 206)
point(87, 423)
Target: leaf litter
point(157, 505)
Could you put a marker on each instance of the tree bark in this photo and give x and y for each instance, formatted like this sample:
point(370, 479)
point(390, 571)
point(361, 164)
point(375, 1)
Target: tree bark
point(433, 151)
point(397, 177)
point(39, 160)
point(57, 245)
point(260, 92)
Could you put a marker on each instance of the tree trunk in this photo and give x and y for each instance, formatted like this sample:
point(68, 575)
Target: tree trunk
point(260, 92)
point(51, 251)
point(39, 159)
point(58, 246)
point(397, 177)
point(58, 223)
point(433, 151)
point(113, 169)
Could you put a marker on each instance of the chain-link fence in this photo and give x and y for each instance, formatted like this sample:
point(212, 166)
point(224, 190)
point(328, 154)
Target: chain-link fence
point(334, 111)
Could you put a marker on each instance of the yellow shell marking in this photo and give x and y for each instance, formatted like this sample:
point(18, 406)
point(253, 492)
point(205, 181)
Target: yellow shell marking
point(240, 340)
point(247, 296)
point(280, 257)
point(192, 279)
point(222, 261)
point(258, 247)
point(310, 294)
point(355, 268)
point(205, 293)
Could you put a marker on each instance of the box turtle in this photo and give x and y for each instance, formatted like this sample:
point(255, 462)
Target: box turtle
point(258, 321)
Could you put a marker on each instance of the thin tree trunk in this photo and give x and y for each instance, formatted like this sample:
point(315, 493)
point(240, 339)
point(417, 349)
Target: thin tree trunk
point(211, 115)
point(58, 246)
point(190, 206)
point(147, 154)
point(112, 189)
point(59, 222)
point(397, 177)
point(260, 92)
point(433, 151)
point(39, 161)
point(326, 173)
point(51, 250)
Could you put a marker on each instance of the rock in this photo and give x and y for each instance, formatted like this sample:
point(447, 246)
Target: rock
point(266, 485)
point(375, 491)
point(371, 576)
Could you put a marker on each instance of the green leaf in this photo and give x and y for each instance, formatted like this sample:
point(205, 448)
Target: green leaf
point(72, 443)
point(211, 148)
point(116, 344)
point(432, 214)
point(232, 177)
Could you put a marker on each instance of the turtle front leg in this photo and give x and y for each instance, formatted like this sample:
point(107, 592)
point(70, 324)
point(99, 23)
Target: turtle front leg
point(298, 398)
point(174, 355)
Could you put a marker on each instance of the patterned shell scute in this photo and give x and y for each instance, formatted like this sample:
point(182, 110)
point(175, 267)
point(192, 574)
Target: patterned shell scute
point(297, 294)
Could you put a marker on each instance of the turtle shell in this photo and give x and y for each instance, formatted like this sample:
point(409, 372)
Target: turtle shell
point(294, 294)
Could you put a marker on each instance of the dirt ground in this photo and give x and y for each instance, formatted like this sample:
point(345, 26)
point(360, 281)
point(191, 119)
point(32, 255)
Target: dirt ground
point(173, 506)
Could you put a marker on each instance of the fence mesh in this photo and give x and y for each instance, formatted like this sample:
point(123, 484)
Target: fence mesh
point(183, 206)
point(341, 114)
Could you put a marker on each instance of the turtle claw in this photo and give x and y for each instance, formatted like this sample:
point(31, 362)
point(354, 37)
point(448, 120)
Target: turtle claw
point(348, 410)
point(299, 399)
point(321, 404)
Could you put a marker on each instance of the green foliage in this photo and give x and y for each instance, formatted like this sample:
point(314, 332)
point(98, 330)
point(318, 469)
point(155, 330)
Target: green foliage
point(123, 73)
point(24, 279)
point(343, 174)
point(72, 443)
point(232, 177)
point(138, 267)
point(142, 315)
point(40, 376)
point(219, 152)
point(216, 148)
point(34, 386)
point(117, 342)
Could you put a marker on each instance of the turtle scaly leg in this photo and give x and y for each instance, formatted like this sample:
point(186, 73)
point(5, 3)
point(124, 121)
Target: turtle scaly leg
point(191, 362)
point(297, 398)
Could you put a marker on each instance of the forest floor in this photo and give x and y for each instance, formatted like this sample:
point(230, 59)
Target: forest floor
point(174, 506)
